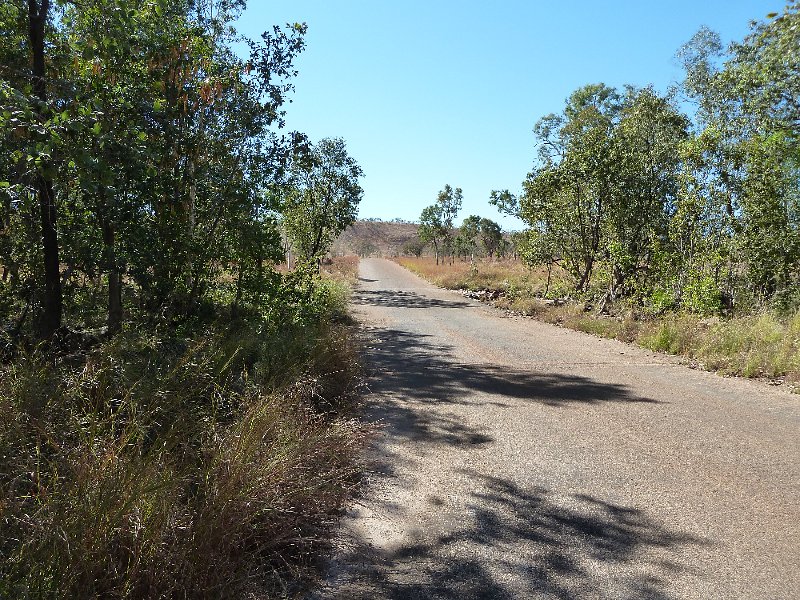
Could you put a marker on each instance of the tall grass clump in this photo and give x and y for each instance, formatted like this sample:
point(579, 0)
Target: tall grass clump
point(209, 464)
point(761, 345)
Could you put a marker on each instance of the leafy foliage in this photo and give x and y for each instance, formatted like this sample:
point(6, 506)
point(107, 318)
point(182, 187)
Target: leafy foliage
point(436, 221)
point(322, 200)
point(636, 202)
point(162, 150)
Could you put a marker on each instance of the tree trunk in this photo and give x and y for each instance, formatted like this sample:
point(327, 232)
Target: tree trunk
point(190, 227)
point(549, 273)
point(260, 272)
point(239, 289)
point(52, 299)
point(586, 274)
point(114, 280)
point(6, 227)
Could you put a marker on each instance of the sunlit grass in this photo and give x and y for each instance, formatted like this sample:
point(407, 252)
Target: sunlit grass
point(506, 275)
point(343, 268)
point(752, 346)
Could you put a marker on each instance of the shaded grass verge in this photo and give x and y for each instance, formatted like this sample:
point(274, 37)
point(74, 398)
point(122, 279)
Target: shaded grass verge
point(210, 464)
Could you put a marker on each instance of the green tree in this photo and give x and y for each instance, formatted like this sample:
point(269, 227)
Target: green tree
point(468, 235)
point(491, 237)
point(52, 301)
point(604, 187)
point(748, 120)
point(323, 200)
point(413, 247)
point(436, 221)
point(646, 149)
point(565, 196)
point(449, 200)
point(431, 228)
point(479, 234)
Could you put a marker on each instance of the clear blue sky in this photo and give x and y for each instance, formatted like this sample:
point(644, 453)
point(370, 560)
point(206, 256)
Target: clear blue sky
point(433, 92)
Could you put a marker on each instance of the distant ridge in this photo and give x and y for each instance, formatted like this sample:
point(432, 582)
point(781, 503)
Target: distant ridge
point(371, 237)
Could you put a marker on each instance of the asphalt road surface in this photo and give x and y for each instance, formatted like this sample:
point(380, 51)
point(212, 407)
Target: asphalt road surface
point(520, 460)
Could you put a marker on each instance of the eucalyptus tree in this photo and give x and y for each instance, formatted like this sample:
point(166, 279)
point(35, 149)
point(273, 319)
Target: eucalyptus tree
point(748, 120)
point(19, 237)
point(468, 235)
point(762, 78)
point(490, 237)
point(431, 228)
point(565, 197)
point(646, 150)
point(108, 177)
point(436, 221)
point(215, 120)
point(479, 234)
point(449, 200)
point(322, 199)
point(604, 186)
point(27, 178)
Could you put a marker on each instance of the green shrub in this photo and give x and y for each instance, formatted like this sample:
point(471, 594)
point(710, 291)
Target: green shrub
point(751, 346)
point(701, 295)
point(675, 334)
point(660, 300)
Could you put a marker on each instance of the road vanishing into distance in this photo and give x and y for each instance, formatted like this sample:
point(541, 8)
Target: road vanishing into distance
point(516, 459)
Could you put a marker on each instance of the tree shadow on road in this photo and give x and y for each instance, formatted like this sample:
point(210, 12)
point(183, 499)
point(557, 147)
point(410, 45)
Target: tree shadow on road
point(407, 364)
point(403, 299)
point(543, 546)
point(406, 370)
point(540, 544)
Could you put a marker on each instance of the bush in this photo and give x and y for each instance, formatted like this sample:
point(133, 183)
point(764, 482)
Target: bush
point(175, 467)
point(701, 295)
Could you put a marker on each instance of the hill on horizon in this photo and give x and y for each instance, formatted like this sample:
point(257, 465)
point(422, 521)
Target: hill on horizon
point(372, 237)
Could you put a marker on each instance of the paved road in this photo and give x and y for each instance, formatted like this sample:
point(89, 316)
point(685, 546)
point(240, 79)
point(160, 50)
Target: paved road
point(521, 460)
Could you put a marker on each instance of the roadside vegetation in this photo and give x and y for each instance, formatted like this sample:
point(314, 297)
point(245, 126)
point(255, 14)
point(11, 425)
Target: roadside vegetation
point(765, 344)
point(175, 403)
point(643, 223)
point(209, 461)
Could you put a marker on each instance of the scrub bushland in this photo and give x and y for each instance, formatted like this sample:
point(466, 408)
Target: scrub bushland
point(207, 461)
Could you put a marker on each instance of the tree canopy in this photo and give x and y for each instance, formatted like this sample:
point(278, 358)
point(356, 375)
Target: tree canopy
point(146, 156)
point(436, 220)
point(322, 198)
point(635, 199)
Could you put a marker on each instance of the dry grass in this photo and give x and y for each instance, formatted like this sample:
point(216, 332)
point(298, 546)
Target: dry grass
point(506, 275)
point(342, 268)
point(761, 345)
point(189, 467)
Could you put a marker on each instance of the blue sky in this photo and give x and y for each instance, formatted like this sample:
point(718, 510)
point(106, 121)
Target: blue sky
point(436, 92)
